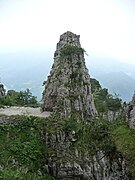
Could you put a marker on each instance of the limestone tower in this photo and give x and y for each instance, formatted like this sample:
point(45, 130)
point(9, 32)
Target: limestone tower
point(68, 87)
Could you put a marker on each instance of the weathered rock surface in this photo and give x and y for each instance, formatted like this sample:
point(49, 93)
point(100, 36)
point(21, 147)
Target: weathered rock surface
point(111, 115)
point(67, 163)
point(131, 113)
point(2, 90)
point(68, 86)
point(11, 92)
point(68, 91)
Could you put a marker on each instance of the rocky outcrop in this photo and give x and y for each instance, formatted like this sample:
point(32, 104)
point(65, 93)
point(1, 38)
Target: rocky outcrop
point(11, 92)
point(2, 90)
point(131, 113)
point(67, 163)
point(112, 115)
point(70, 153)
point(68, 86)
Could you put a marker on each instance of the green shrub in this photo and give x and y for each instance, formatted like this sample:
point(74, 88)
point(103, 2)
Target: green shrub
point(69, 50)
point(22, 150)
point(22, 98)
point(124, 139)
point(104, 101)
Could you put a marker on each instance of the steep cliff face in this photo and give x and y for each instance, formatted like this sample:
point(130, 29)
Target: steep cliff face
point(68, 87)
point(131, 113)
point(67, 162)
point(75, 148)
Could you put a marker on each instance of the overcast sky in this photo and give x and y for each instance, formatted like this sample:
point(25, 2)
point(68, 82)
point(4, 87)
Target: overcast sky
point(106, 26)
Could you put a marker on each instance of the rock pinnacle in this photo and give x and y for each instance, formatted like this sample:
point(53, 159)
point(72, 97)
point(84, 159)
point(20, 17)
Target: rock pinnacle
point(68, 87)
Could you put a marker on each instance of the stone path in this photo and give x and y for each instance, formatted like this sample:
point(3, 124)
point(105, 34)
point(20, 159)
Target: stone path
point(23, 111)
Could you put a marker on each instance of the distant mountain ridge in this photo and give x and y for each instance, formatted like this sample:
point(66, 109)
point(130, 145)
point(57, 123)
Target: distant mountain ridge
point(24, 70)
point(102, 65)
point(118, 77)
point(29, 69)
point(119, 83)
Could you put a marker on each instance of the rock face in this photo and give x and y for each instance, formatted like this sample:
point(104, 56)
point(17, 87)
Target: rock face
point(131, 113)
point(68, 86)
point(65, 163)
point(11, 92)
point(67, 93)
point(2, 90)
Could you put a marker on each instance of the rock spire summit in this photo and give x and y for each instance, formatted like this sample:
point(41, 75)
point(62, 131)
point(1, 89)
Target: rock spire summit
point(68, 87)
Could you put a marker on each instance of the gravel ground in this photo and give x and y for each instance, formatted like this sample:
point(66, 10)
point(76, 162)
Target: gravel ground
point(23, 111)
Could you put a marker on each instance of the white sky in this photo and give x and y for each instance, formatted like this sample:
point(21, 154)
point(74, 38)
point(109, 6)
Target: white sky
point(106, 26)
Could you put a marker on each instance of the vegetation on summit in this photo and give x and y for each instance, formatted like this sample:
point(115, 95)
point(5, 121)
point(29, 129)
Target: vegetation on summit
point(69, 50)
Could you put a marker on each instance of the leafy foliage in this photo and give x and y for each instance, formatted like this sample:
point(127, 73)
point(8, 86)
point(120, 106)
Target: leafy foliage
point(115, 139)
point(124, 139)
point(22, 98)
point(104, 101)
point(22, 151)
point(95, 85)
point(69, 50)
